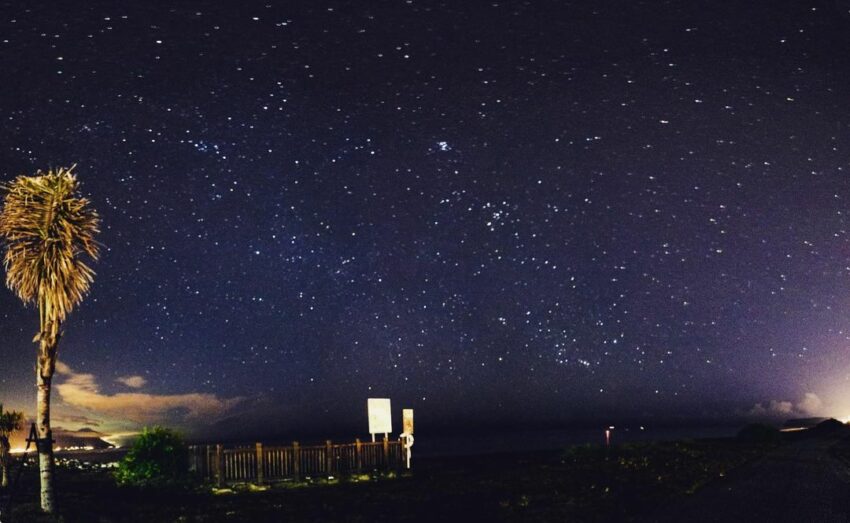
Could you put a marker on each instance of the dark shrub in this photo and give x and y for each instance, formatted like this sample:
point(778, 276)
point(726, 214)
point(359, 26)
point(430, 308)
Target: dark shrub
point(159, 458)
point(759, 433)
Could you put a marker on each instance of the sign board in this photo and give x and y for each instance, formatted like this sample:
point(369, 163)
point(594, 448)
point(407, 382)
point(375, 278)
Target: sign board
point(407, 421)
point(380, 415)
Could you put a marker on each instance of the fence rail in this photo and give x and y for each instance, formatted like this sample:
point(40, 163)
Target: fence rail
point(261, 464)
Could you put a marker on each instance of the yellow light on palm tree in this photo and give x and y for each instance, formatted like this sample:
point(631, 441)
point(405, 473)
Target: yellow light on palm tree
point(49, 230)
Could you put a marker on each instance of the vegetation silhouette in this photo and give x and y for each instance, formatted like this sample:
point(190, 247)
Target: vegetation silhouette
point(10, 421)
point(159, 458)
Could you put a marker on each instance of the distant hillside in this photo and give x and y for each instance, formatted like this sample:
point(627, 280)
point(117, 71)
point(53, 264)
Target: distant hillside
point(803, 423)
point(85, 437)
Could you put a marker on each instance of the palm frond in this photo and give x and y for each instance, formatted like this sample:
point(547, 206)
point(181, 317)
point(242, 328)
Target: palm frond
point(10, 421)
point(48, 229)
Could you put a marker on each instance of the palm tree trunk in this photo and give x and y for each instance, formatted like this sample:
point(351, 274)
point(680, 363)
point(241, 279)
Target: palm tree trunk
point(4, 462)
point(44, 375)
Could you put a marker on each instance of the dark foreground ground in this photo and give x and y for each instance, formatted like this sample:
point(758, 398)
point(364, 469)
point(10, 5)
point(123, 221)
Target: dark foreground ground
point(711, 480)
point(805, 480)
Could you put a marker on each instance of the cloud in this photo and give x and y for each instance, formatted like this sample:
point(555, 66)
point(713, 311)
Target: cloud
point(75, 418)
point(773, 408)
point(134, 382)
point(809, 405)
point(81, 390)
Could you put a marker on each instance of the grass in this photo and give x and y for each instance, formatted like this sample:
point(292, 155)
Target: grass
point(841, 450)
point(586, 483)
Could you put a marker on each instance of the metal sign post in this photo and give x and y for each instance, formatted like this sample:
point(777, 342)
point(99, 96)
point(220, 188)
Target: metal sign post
point(406, 441)
point(407, 432)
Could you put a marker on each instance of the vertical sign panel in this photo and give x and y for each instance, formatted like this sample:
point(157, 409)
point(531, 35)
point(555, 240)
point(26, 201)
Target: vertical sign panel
point(407, 421)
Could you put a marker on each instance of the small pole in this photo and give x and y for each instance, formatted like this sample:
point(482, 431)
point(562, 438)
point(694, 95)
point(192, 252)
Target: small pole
point(208, 465)
point(357, 449)
point(260, 465)
point(296, 460)
point(406, 442)
point(219, 465)
point(386, 451)
point(329, 458)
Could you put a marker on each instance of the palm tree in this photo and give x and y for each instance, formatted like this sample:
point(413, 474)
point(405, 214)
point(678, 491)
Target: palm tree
point(48, 229)
point(10, 421)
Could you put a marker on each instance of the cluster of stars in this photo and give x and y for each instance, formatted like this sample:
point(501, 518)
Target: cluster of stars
point(574, 205)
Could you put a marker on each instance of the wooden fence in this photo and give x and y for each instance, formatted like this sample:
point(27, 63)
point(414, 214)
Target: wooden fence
point(222, 466)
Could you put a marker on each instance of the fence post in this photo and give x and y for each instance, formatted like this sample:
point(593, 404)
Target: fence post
point(296, 460)
point(219, 466)
point(260, 465)
point(208, 465)
point(193, 459)
point(358, 459)
point(329, 458)
point(386, 451)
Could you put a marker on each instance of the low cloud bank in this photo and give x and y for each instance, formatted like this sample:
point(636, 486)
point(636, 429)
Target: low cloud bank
point(809, 405)
point(82, 390)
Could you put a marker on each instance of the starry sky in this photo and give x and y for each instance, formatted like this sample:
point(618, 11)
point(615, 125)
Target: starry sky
point(494, 212)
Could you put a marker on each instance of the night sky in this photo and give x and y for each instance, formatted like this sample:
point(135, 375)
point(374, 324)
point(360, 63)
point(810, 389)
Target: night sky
point(491, 212)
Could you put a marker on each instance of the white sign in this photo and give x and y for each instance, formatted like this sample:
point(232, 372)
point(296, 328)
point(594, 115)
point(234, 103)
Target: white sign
point(380, 416)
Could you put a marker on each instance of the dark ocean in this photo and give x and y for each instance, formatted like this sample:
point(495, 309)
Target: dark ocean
point(498, 441)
